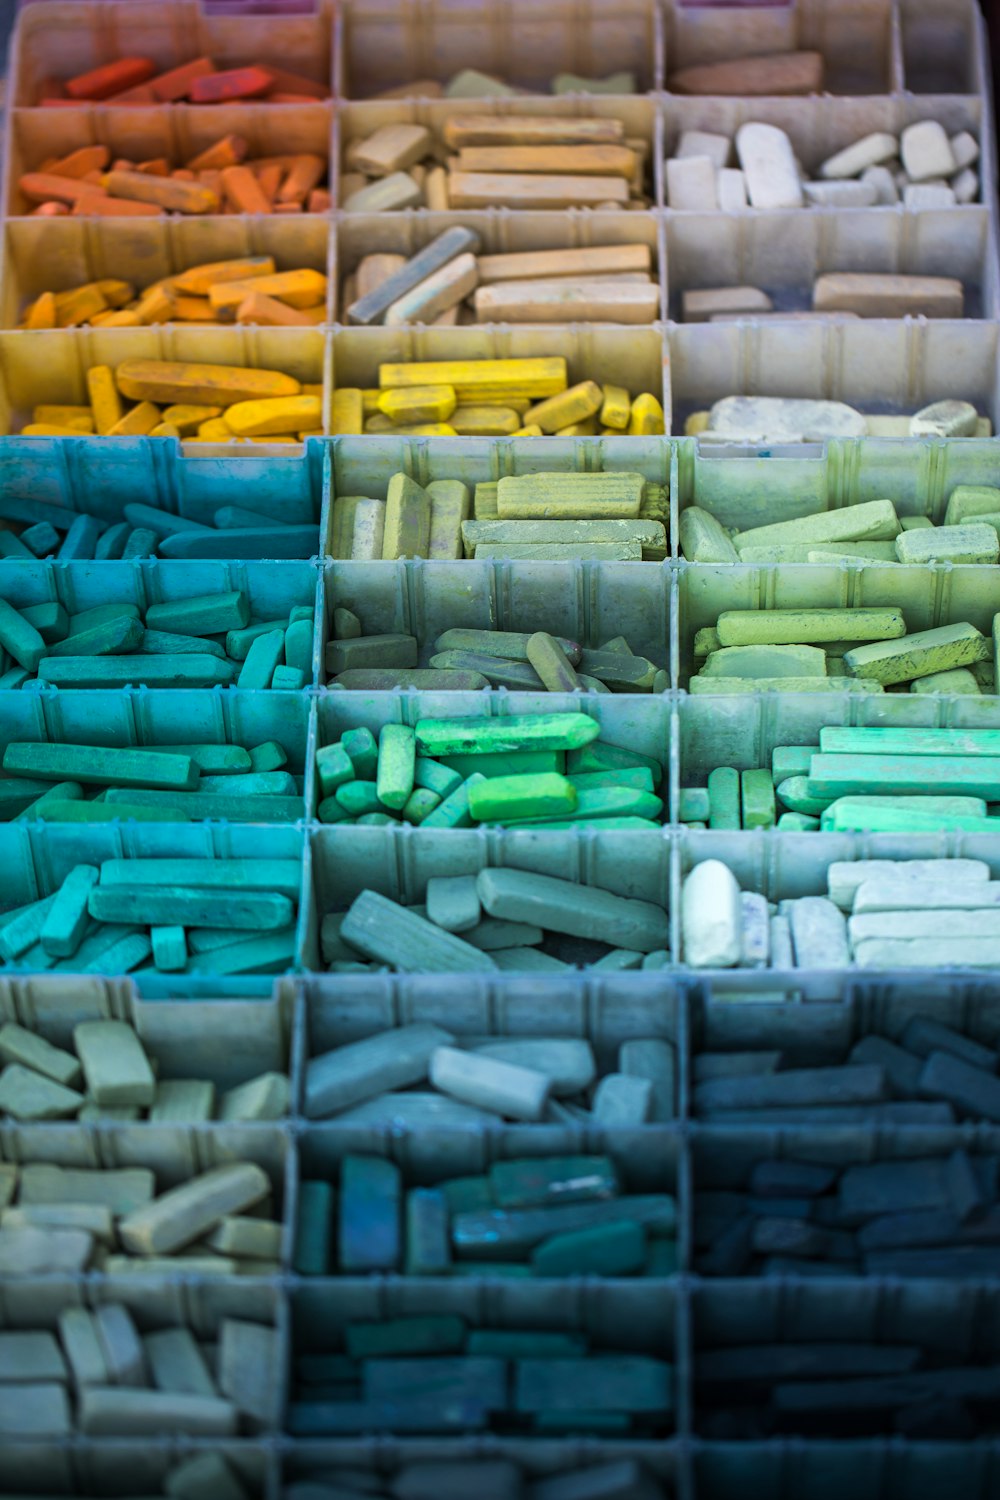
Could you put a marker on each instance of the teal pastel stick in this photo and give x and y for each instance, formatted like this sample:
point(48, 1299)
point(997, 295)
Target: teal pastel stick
point(68, 917)
point(97, 765)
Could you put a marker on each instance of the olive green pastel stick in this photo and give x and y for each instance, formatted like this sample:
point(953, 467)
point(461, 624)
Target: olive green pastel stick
point(502, 798)
point(776, 627)
point(165, 643)
point(648, 534)
point(498, 671)
point(281, 875)
point(19, 638)
point(213, 805)
point(215, 760)
point(568, 731)
point(512, 644)
point(384, 679)
point(874, 520)
point(715, 684)
point(140, 670)
point(623, 674)
point(397, 748)
point(113, 638)
point(551, 663)
point(368, 651)
point(96, 765)
point(191, 906)
point(919, 655)
point(204, 614)
point(419, 804)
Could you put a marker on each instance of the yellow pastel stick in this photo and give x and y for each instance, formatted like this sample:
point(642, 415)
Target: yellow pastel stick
point(418, 403)
point(427, 429)
point(617, 407)
point(42, 312)
point(369, 402)
point(532, 429)
point(697, 422)
point(485, 421)
point(275, 418)
point(188, 418)
point(295, 288)
point(80, 418)
point(471, 377)
point(49, 429)
point(178, 380)
point(166, 429)
point(346, 412)
point(105, 401)
point(646, 418)
point(215, 430)
point(575, 405)
point(138, 422)
point(197, 281)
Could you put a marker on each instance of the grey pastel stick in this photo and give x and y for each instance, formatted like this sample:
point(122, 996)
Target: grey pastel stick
point(373, 307)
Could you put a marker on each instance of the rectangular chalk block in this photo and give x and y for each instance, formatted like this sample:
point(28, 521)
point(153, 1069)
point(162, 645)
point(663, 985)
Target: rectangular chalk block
point(115, 1067)
point(370, 1215)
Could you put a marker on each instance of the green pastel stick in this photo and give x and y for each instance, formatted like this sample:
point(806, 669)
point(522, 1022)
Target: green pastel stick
point(358, 798)
point(375, 819)
point(333, 767)
point(288, 680)
point(605, 1250)
point(419, 804)
point(212, 760)
point(793, 822)
point(517, 763)
point(639, 778)
point(96, 765)
point(169, 949)
point(600, 756)
point(113, 638)
point(205, 614)
point(606, 825)
point(23, 927)
point(796, 795)
point(758, 799)
point(724, 798)
point(501, 798)
point(362, 748)
point(330, 811)
point(165, 643)
point(832, 775)
point(68, 918)
point(200, 805)
point(694, 805)
point(397, 936)
point(238, 642)
point(434, 776)
point(281, 875)
point(915, 741)
point(852, 819)
point(191, 906)
point(299, 646)
point(774, 627)
point(272, 953)
point(791, 760)
point(63, 811)
point(264, 655)
point(397, 748)
point(50, 620)
point(948, 807)
point(17, 793)
point(569, 731)
point(147, 671)
point(251, 784)
point(312, 1253)
point(606, 802)
point(62, 791)
point(270, 756)
point(19, 638)
point(453, 812)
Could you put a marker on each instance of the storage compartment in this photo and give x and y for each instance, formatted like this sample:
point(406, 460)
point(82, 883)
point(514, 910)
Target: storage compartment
point(54, 255)
point(861, 1468)
point(854, 36)
point(397, 42)
point(944, 47)
point(61, 40)
point(878, 366)
point(52, 366)
point(782, 254)
point(501, 232)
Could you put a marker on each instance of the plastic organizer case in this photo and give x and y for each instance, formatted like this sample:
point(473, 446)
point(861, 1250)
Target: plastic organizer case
point(687, 1318)
point(888, 63)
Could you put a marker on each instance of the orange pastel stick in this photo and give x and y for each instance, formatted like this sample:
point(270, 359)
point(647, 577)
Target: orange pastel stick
point(158, 167)
point(227, 152)
point(295, 83)
point(49, 103)
point(174, 84)
point(110, 78)
point(49, 210)
point(319, 201)
point(40, 187)
point(103, 207)
point(258, 307)
point(234, 83)
point(305, 174)
point(286, 208)
point(79, 163)
point(288, 99)
point(184, 174)
point(194, 310)
point(244, 192)
point(269, 180)
point(141, 95)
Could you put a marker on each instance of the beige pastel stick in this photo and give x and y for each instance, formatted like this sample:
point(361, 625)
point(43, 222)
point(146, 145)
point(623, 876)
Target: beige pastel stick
point(592, 260)
point(526, 190)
